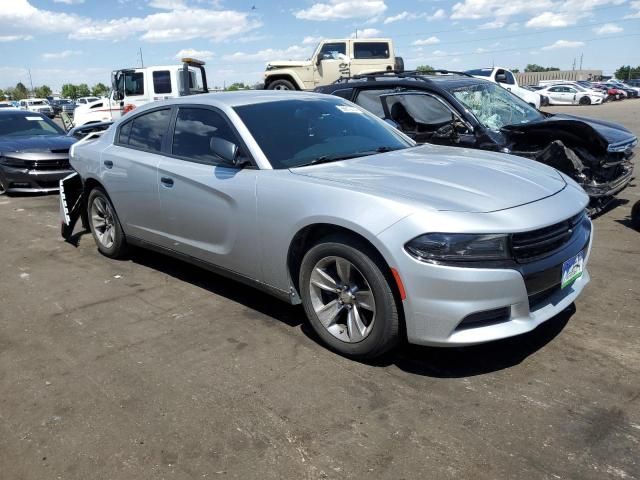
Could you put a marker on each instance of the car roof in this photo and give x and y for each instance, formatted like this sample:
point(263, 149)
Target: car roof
point(239, 98)
point(24, 113)
point(425, 81)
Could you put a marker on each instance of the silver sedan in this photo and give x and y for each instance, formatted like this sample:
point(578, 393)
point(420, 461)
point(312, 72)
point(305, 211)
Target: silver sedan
point(318, 202)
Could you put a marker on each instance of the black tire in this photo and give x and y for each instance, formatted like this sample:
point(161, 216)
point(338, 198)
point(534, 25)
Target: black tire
point(119, 246)
point(3, 189)
point(585, 101)
point(635, 216)
point(384, 333)
point(281, 85)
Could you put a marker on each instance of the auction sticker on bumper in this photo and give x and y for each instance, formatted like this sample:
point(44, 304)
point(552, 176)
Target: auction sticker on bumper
point(572, 270)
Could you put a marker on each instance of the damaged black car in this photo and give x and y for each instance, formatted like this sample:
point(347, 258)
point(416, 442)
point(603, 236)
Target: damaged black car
point(452, 108)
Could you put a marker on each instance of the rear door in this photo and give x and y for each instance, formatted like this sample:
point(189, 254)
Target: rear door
point(208, 207)
point(129, 171)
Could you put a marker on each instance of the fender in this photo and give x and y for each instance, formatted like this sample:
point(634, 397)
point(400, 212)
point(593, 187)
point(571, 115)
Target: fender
point(285, 72)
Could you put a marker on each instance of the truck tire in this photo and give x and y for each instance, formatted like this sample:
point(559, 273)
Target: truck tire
point(281, 85)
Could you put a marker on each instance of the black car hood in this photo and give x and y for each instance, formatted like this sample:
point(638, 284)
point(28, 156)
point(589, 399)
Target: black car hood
point(35, 143)
point(600, 131)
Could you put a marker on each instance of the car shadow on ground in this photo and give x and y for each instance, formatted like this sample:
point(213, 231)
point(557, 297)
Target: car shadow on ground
point(434, 362)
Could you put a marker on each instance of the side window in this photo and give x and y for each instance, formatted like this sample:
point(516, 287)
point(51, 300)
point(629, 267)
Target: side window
point(148, 130)
point(554, 89)
point(571, 90)
point(409, 111)
point(333, 51)
point(344, 93)
point(368, 50)
point(195, 127)
point(370, 100)
point(162, 81)
point(123, 134)
point(133, 83)
point(510, 79)
point(97, 105)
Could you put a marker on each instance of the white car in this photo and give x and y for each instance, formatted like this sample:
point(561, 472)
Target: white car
point(570, 94)
point(506, 79)
point(38, 105)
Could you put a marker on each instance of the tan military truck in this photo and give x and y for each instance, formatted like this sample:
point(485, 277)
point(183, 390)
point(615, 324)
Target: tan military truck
point(331, 60)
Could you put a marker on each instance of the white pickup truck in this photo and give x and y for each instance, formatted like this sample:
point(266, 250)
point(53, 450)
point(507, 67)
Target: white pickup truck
point(133, 87)
point(331, 60)
point(507, 79)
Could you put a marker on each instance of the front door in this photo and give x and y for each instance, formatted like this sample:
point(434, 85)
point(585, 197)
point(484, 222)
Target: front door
point(208, 206)
point(332, 63)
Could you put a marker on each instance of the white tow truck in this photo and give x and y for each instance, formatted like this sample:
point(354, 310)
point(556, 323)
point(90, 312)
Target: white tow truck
point(505, 78)
point(133, 87)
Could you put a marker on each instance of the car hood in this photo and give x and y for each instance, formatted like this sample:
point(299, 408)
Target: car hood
point(288, 63)
point(35, 143)
point(445, 178)
point(597, 132)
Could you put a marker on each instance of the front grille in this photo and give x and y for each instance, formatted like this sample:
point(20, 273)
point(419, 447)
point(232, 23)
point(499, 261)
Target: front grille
point(540, 299)
point(530, 246)
point(47, 164)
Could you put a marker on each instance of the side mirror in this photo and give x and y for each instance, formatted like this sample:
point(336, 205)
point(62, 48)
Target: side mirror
point(501, 78)
point(319, 59)
point(226, 150)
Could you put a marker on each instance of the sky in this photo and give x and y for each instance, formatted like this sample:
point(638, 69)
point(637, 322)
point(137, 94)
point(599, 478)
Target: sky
point(82, 41)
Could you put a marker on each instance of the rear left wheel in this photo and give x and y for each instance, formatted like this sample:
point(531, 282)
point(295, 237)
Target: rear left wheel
point(105, 226)
point(348, 299)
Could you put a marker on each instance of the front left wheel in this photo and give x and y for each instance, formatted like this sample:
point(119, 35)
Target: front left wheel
point(585, 101)
point(348, 298)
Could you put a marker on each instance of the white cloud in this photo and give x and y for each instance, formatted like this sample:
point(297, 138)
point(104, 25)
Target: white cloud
point(192, 53)
point(367, 33)
point(492, 25)
point(168, 4)
point(563, 44)
point(294, 52)
point(437, 15)
point(310, 40)
point(481, 50)
point(69, 2)
point(13, 38)
point(342, 10)
point(608, 28)
point(21, 18)
point(172, 26)
point(59, 55)
point(553, 20)
point(427, 41)
point(476, 9)
point(635, 5)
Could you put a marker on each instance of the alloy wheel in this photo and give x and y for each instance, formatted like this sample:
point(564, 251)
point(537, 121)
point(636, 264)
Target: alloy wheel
point(342, 299)
point(102, 220)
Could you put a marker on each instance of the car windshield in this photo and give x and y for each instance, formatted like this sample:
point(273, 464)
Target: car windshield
point(293, 133)
point(37, 102)
point(20, 125)
point(495, 107)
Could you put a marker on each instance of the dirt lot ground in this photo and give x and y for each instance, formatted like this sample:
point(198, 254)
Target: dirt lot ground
point(151, 368)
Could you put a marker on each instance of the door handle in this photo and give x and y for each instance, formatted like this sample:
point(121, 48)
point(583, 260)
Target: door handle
point(167, 182)
point(108, 163)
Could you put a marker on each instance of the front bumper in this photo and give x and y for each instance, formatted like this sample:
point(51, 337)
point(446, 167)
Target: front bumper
point(23, 180)
point(457, 306)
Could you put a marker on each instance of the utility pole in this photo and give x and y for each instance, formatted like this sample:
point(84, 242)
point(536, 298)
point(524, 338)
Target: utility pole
point(581, 55)
point(356, 33)
point(574, 64)
point(30, 80)
point(141, 60)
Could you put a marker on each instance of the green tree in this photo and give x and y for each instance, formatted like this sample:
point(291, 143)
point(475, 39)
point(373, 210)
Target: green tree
point(2, 95)
point(236, 86)
point(515, 70)
point(20, 91)
point(532, 67)
point(83, 90)
point(627, 72)
point(69, 90)
point(424, 68)
point(99, 90)
point(42, 92)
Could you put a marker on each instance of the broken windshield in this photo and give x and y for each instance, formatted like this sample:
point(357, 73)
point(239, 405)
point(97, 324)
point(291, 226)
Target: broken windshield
point(495, 107)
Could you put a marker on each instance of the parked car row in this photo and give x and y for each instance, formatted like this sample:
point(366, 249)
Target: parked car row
point(582, 92)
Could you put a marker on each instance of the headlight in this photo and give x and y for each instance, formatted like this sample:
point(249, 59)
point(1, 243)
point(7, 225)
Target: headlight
point(12, 162)
point(459, 247)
